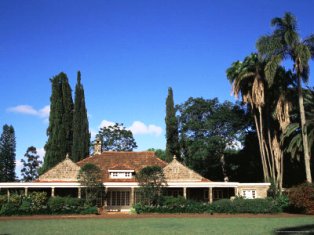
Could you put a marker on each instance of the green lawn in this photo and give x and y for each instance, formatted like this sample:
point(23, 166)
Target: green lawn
point(152, 226)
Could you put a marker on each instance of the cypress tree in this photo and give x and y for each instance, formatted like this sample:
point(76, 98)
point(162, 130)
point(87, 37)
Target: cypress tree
point(172, 136)
point(81, 136)
point(7, 154)
point(60, 131)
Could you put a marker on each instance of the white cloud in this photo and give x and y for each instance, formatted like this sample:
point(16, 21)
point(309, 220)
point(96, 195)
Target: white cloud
point(93, 133)
point(105, 123)
point(29, 110)
point(137, 128)
point(25, 109)
point(140, 128)
point(41, 152)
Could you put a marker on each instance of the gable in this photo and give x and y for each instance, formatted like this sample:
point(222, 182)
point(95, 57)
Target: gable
point(176, 171)
point(126, 161)
point(64, 171)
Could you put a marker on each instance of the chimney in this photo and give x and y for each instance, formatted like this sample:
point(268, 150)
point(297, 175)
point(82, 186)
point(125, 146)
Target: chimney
point(97, 147)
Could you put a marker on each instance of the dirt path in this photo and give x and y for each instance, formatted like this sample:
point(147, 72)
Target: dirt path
point(121, 215)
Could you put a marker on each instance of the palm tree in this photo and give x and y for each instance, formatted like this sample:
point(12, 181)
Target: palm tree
point(293, 133)
point(247, 78)
point(284, 43)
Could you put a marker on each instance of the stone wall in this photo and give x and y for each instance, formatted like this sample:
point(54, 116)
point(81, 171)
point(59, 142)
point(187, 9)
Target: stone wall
point(64, 171)
point(175, 171)
point(261, 190)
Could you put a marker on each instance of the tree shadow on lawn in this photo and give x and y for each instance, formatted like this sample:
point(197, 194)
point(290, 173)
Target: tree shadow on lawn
point(304, 229)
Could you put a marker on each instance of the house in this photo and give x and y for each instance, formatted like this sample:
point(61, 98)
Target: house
point(120, 186)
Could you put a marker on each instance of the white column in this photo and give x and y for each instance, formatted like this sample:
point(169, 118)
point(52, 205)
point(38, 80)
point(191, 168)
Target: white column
point(8, 194)
point(132, 196)
point(26, 192)
point(106, 195)
point(210, 195)
point(236, 191)
point(184, 192)
point(52, 192)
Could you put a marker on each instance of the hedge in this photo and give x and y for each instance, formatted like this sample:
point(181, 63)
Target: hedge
point(38, 203)
point(238, 205)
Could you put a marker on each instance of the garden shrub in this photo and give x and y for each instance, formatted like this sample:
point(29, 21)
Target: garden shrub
point(9, 209)
point(65, 205)
point(302, 198)
point(89, 210)
point(38, 200)
point(239, 205)
point(25, 207)
point(3, 200)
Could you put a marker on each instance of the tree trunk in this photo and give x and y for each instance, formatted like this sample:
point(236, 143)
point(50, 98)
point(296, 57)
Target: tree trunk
point(304, 134)
point(261, 149)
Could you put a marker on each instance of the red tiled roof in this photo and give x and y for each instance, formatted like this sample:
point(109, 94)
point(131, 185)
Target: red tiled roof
point(127, 160)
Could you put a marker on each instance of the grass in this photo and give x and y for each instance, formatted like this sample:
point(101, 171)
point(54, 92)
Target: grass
point(153, 226)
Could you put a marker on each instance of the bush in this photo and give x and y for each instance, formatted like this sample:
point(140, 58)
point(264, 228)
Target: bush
point(65, 205)
point(173, 205)
point(240, 205)
point(3, 200)
point(38, 200)
point(89, 210)
point(9, 209)
point(25, 207)
point(302, 198)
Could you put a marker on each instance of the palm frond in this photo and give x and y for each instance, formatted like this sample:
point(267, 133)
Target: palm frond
point(271, 69)
point(309, 42)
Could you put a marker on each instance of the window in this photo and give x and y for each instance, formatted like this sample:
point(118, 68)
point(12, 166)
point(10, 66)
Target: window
point(249, 193)
point(120, 174)
point(118, 198)
point(206, 194)
point(218, 194)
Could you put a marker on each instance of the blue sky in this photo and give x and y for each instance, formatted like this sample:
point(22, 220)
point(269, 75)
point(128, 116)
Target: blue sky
point(129, 53)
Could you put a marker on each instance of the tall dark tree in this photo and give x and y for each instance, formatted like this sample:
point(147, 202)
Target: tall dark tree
point(172, 136)
point(7, 154)
point(81, 136)
point(60, 131)
point(30, 165)
point(116, 138)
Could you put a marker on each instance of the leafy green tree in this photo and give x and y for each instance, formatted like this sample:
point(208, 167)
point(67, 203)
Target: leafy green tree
point(152, 182)
point(60, 130)
point(116, 138)
point(207, 128)
point(172, 135)
point(286, 43)
point(81, 135)
point(90, 177)
point(31, 165)
point(7, 154)
point(160, 153)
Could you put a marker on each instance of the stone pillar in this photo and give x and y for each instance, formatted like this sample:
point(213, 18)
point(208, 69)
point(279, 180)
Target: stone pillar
point(79, 192)
point(52, 192)
point(184, 192)
point(132, 196)
point(26, 192)
point(210, 195)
